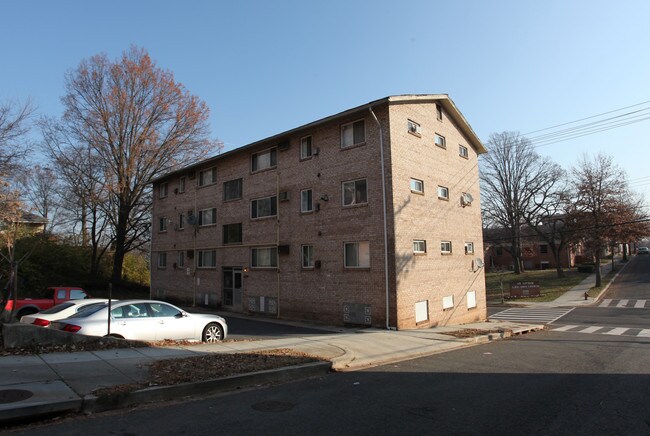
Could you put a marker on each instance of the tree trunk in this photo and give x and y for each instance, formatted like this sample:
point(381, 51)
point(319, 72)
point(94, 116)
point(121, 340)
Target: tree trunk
point(598, 275)
point(558, 260)
point(120, 240)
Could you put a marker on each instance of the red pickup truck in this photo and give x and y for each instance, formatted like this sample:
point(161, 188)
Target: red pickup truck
point(55, 295)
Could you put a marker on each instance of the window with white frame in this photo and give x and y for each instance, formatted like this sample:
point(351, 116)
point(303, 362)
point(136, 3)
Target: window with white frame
point(307, 256)
point(355, 192)
point(162, 224)
point(181, 221)
point(443, 193)
point(162, 260)
point(163, 190)
point(414, 128)
point(417, 186)
point(463, 152)
point(440, 141)
point(438, 112)
point(419, 246)
point(265, 257)
point(353, 133)
point(181, 259)
point(447, 302)
point(471, 299)
point(264, 160)
point(232, 189)
point(207, 259)
point(181, 185)
point(208, 177)
point(445, 247)
point(469, 248)
point(264, 207)
point(208, 216)
point(305, 147)
point(357, 254)
point(306, 200)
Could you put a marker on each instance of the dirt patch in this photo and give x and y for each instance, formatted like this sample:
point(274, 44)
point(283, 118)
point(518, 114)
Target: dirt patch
point(470, 333)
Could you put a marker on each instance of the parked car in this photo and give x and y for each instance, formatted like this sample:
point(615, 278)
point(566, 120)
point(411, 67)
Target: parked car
point(54, 295)
point(643, 250)
point(146, 320)
point(61, 311)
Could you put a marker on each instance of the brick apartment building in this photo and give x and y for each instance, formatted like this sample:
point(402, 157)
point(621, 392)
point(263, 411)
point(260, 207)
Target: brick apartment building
point(295, 225)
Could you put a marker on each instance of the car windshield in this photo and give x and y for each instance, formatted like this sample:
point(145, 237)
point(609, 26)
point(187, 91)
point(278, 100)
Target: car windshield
point(89, 310)
point(58, 308)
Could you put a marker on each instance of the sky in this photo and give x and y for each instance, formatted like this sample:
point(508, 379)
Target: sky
point(264, 67)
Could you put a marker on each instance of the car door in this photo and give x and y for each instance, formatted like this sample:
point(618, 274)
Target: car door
point(170, 322)
point(133, 321)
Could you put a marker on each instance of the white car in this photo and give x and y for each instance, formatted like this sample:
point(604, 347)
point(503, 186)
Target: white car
point(61, 311)
point(145, 320)
point(643, 250)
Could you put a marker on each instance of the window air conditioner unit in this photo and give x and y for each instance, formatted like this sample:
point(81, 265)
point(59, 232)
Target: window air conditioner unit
point(191, 175)
point(284, 196)
point(283, 249)
point(190, 254)
point(316, 152)
point(284, 145)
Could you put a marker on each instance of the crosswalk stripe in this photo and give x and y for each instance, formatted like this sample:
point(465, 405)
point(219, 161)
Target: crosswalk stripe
point(622, 303)
point(564, 328)
point(644, 333)
point(640, 304)
point(591, 329)
point(605, 303)
point(617, 331)
point(544, 315)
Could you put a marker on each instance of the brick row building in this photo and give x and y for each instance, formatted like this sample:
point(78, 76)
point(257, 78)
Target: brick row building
point(303, 225)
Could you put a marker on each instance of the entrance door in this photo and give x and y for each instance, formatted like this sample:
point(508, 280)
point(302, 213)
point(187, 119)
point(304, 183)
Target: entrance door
point(232, 288)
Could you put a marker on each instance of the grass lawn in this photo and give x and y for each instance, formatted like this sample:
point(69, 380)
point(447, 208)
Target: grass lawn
point(550, 285)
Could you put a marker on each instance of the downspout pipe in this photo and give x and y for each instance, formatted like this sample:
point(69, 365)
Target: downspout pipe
point(383, 197)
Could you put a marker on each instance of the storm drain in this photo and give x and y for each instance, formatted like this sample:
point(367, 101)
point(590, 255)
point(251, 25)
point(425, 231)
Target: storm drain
point(14, 395)
point(273, 406)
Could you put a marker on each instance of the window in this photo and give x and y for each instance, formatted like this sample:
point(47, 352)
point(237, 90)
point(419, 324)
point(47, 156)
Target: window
point(471, 299)
point(162, 224)
point(438, 112)
point(543, 248)
point(264, 257)
point(419, 247)
point(440, 141)
point(306, 200)
point(208, 216)
point(181, 259)
point(232, 190)
point(181, 185)
point(445, 247)
point(305, 147)
point(353, 133)
point(181, 221)
point(160, 310)
point(77, 294)
point(462, 152)
point(355, 192)
point(307, 256)
point(232, 233)
point(469, 248)
point(414, 128)
point(162, 260)
point(263, 207)
point(357, 254)
point(207, 259)
point(443, 193)
point(208, 177)
point(417, 186)
point(163, 190)
point(447, 302)
point(264, 160)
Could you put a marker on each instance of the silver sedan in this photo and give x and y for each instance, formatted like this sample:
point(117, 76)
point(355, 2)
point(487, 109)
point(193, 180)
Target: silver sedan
point(145, 320)
point(60, 311)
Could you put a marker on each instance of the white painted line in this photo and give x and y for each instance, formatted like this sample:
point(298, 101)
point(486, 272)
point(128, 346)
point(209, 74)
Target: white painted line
point(645, 333)
point(564, 328)
point(640, 304)
point(605, 303)
point(622, 303)
point(565, 313)
point(591, 329)
point(617, 331)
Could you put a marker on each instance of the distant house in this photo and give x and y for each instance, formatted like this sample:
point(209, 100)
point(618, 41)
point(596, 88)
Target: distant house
point(369, 216)
point(33, 223)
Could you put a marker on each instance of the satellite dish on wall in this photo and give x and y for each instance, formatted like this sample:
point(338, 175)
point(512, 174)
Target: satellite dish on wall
point(478, 262)
point(467, 198)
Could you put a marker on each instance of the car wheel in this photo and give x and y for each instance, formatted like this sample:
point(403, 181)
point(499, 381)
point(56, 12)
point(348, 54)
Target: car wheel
point(212, 333)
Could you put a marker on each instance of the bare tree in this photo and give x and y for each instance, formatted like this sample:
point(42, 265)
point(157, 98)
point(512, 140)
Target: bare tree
point(604, 206)
point(14, 125)
point(40, 189)
point(513, 177)
point(140, 123)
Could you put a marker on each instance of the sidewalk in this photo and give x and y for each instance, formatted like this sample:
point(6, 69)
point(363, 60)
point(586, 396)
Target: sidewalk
point(58, 383)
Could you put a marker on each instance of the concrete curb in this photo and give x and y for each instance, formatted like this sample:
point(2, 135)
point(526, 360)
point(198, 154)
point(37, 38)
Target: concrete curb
point(92, 403)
